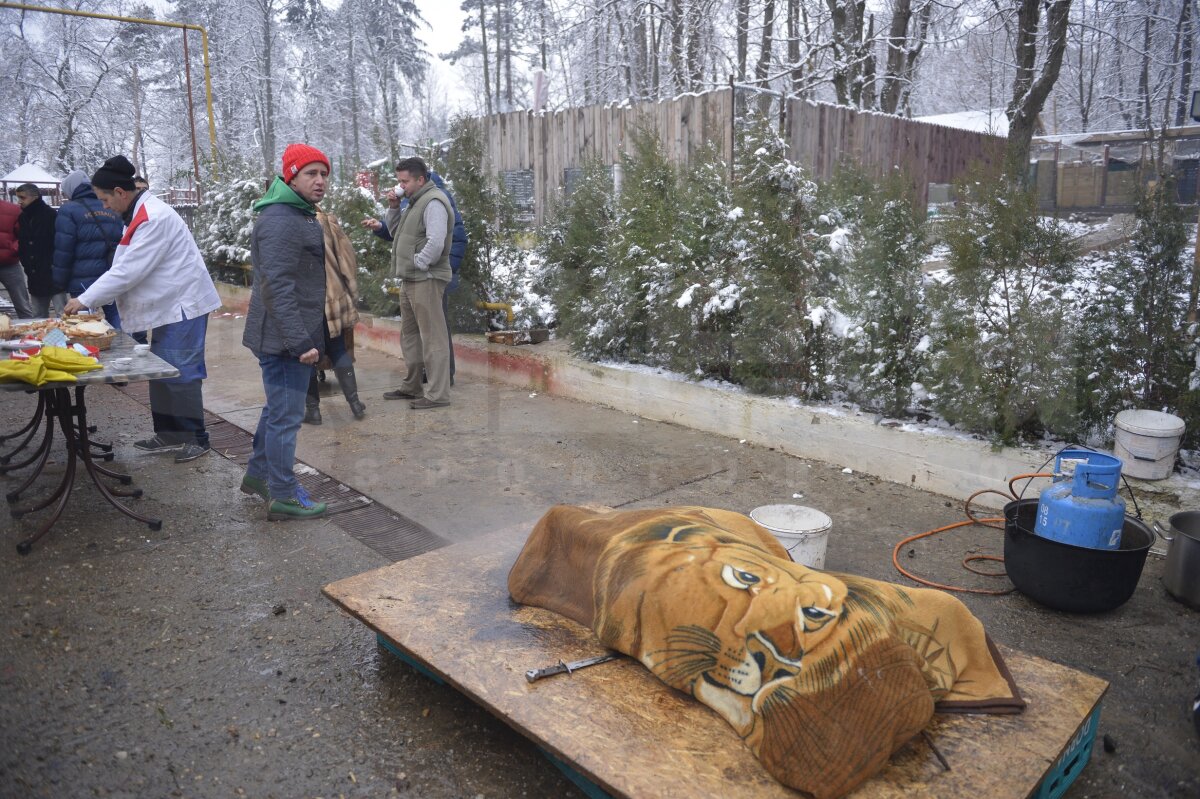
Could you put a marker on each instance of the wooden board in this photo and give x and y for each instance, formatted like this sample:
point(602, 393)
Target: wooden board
point(616, 724)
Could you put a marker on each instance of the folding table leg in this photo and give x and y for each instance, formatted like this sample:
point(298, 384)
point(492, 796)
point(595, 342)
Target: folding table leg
point(80, 411)
point(31, 427)
point(60, 406)
point(41, 455)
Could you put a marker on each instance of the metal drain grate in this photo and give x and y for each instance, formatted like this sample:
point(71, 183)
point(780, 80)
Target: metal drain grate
point(389, 533)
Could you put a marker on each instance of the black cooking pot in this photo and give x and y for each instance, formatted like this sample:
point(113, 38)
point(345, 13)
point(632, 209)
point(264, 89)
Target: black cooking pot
point(1068, 577)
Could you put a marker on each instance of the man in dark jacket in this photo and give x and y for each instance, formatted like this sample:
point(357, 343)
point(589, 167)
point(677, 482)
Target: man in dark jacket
point(458, 251)
point(11, 275)
point(86, 235)
point(285, 324)
point(37, 249)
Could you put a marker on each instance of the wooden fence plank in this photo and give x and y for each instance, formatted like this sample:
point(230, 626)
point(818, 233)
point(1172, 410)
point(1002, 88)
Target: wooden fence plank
point(819, 136)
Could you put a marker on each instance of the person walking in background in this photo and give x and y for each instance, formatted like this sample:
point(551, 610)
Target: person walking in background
point(160, 284)
point(36, 249)
point(12, 277)
point(421, 259)
point(140, 183)
point(86, 235)
point(458, 251)
point(341, 315)
point(285, 324)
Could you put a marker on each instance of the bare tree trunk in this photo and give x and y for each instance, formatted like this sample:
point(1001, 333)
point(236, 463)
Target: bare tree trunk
point(898, 55)
point(1145, 117)
point(743, 37)
point(483, 46)
point(675, 9)
point(136, 87)
point(267, 110)
point(846, 18)
point(763, 68)
point(695, 39)
point(793, 43)
point(1186, 35)
point(866, 83)
point(352, 88)
point(1031, 88)
point(499, 48)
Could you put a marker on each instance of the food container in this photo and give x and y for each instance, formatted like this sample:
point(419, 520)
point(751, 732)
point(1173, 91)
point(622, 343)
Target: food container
point(1181, 574)
point(1068, 577)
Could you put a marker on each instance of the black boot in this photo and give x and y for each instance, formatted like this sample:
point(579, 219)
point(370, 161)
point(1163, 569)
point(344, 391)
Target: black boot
point(312, 402)
point(349, 384)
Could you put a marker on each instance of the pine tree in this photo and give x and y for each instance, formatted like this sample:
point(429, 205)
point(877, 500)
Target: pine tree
point(574, 249)
point(1134, 343)
point(882, 290)
point(1001, 341)
point(785, 271)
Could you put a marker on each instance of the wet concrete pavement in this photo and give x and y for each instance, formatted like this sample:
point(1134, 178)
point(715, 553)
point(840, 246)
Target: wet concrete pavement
point(201, 660)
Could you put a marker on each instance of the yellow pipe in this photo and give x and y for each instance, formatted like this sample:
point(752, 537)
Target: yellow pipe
point(212, 125)
point(497, 306)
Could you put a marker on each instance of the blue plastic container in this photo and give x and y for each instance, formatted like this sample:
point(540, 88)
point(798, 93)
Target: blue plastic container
point(1083, 510)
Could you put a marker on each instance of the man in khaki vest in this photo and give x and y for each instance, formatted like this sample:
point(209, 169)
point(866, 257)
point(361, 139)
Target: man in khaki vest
point(421, 259)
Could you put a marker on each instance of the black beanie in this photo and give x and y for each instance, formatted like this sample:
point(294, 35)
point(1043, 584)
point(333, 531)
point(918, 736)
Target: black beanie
point(117, 173)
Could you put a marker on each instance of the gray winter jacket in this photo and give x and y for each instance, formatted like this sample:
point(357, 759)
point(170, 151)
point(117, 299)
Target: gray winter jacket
point(287, 301)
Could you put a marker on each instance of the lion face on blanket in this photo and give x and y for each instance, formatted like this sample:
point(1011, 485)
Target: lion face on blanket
point(816, 672)
point(712, 615)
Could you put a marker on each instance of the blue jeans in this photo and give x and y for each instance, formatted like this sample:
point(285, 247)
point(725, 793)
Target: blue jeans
point(285, 381)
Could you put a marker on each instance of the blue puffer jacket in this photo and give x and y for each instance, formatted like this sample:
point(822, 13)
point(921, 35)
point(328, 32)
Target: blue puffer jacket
point(458, 240)
point(84, 234)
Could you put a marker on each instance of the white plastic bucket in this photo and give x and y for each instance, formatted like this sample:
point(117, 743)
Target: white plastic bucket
point(1147, 442)
point(803, 532)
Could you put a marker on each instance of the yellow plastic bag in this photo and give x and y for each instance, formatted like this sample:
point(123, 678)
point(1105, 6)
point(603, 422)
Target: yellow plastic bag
point(33, 371)
point(66, 360)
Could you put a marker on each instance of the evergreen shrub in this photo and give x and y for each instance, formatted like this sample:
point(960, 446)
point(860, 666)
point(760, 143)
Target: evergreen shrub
point(1135, 347)
point(573, 245)
point(493, 257)
point(885, 351)
point(785, 271)
point(1001, 346)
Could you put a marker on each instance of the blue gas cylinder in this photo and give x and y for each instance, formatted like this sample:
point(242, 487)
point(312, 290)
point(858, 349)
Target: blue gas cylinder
point(1083, 509)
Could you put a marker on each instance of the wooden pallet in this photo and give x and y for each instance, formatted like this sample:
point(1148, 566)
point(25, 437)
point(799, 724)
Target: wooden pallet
point(629, 735)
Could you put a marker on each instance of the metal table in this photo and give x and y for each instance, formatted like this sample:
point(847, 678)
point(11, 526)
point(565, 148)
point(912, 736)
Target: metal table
point(63, 404)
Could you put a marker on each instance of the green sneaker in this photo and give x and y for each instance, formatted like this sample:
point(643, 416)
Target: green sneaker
point(255, 485)
point(300, 506)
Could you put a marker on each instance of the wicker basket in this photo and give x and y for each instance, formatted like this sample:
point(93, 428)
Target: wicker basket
point(99, 342)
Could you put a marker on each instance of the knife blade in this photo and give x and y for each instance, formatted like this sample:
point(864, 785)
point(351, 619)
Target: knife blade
point(562, 667)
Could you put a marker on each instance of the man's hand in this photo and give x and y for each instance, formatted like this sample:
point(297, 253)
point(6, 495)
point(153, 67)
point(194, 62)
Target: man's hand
point(371, 224)
point(73, 306)
point(308, 358)
point(393, 200)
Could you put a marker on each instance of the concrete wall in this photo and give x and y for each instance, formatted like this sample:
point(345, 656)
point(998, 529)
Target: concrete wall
point(927, 458)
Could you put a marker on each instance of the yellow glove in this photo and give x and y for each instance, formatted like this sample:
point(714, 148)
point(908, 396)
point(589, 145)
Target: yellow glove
point(66, 360)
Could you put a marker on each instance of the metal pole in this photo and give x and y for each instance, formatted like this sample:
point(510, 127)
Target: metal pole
point(187, 72)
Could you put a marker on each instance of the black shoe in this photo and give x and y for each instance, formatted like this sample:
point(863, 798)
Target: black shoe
point(423, 404)
point(156, 444)
point(398, 394)
point(189, 452)
point(312, 414)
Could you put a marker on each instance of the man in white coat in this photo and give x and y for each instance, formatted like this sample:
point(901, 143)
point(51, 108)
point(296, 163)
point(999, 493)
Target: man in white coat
point(160, 284)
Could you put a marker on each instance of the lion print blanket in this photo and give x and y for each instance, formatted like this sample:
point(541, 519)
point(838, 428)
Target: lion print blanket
point(823, 675)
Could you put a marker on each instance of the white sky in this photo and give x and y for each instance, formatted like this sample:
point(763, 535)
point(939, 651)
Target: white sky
point(443, 35)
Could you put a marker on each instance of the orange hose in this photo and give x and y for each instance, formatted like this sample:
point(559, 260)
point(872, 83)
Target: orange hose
point(994, 522)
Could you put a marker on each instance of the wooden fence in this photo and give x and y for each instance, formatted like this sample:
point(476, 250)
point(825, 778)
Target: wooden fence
point(549, 146)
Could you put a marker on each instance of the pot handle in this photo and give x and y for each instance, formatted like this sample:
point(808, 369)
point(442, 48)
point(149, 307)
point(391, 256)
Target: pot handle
point(1158, 528)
